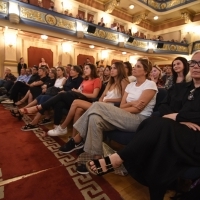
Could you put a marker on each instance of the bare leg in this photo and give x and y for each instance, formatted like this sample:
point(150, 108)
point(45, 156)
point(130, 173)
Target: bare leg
point(47, 114)
point(33, 103)
point(36, 119)
point(30, 110)
point(30, 98)
point(72, 112)
point(23, 99)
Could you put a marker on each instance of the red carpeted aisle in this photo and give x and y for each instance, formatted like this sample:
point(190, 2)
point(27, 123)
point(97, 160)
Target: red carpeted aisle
point(23, 153)
point(57, 184)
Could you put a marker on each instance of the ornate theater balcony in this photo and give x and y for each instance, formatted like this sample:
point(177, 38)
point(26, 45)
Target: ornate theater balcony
point(30, 15)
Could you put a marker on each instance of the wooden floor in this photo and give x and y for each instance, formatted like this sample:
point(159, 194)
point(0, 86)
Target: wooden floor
point(128, 188)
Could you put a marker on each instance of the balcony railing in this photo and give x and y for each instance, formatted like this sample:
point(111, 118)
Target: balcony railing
point(45, 19)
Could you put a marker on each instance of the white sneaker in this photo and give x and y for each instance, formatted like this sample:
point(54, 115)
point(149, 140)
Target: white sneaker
point(57, 131)
point(8, 101)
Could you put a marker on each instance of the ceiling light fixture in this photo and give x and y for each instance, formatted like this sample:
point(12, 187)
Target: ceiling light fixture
point(131, 6)
point(44, 37)
point(91, 46)
point(155, 18)
point(123, 52)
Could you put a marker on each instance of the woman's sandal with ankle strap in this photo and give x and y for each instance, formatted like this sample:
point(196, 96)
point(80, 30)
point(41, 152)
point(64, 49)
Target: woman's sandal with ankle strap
point(16, 113)
point(99, 171)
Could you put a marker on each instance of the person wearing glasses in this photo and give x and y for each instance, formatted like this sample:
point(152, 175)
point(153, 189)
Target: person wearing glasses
point(162, 149)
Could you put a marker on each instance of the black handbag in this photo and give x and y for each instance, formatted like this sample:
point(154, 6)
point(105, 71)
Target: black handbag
point(52, 91)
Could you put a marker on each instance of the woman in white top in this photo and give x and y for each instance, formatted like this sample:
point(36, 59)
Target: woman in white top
point(60, 81)
point(43, 63)
point(113, 94)
point(137, 104)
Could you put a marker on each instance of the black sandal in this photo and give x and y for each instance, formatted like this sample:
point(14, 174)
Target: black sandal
point(99, 171)
point(16, 113)
point(29, 127)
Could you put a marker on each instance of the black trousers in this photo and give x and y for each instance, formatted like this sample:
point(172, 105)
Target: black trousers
point(60, 102)
point(161, 151)
point(18, 88)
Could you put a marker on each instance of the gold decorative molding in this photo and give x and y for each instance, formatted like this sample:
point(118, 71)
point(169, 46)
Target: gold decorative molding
point(139, 18)
point(187, 17)
point(63, 23)
point(50, 19)
point(139, 43)
point(196, 47)
point(111, 6)
point(174, 47)
point(3, 7)
point(160, 6)
point(105, 35)
point(32, 14)
point(46, 18)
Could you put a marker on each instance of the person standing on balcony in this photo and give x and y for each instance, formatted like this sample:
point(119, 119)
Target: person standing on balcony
point(52, 6)
point(101, 23)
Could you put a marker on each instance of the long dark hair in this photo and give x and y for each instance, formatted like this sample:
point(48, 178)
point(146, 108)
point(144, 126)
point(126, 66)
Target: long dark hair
point(185, 69)
point(129, 66)
point(93, 74)
point(78, 69)
point(120, 76)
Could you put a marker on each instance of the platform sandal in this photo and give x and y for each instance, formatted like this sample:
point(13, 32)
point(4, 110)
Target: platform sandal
point(99, 171)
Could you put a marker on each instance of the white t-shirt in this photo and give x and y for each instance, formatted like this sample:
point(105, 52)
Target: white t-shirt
point(134, 93)
point(113, 94)
point(59, 82)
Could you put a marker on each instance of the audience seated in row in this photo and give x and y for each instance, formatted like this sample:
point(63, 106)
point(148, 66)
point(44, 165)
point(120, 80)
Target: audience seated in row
point(88, 89)
point(136, 106)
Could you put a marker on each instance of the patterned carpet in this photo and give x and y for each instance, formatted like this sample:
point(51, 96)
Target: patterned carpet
point(37, 168)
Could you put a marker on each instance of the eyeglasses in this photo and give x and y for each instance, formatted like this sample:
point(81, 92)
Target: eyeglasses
point(192, 63)
point(191, 95)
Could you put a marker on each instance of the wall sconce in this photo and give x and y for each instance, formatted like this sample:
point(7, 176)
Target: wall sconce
point(66, 47)
point(10, 37)
point(104, 54)
point(132, 60)
point(91, 46)
point(44, 37)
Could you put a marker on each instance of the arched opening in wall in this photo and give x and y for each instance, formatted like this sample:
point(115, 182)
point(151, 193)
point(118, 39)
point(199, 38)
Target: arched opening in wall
point(82, 59)
point(114, 61)
point(35, 54)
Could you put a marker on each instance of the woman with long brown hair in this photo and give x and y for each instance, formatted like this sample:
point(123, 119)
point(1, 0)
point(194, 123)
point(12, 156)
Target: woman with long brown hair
point(113, 94)
point(88, 89)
